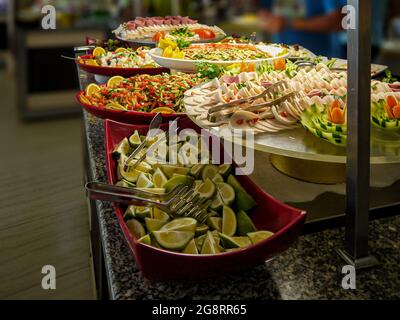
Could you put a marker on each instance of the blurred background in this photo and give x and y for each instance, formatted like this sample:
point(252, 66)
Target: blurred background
point(43, 211)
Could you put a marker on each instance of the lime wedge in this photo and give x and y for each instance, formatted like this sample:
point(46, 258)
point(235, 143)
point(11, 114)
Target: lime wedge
point(129, 213)
point(136, 228)
point(159, 179)
point(130, 175)
point(227, 193)
point(201, 229)
point(258, 236)
point(173, 240)
point(218, 178)
point(153, 224)
point(142, 212)
point(178, 180)
point(215, 223)
point(188, 155)
point(122, 148)
point(191, 248)
point(144, 182)
point(199, 241)
point(135, 140)
point(209, 245)
point(245, 225)
point(169, 170)
point(195, 171)
point(143, 166)
point(181, 224)
point(243, 200)
point(197, 184)
point(225, 169)
point(234, 242)
point(229, 222)
point(123, 183)
point(145, 239)
point(209, 172)
point(160, 215)
point(153, 190)
point(229, 242)
point(217, 203)
point(207, 189)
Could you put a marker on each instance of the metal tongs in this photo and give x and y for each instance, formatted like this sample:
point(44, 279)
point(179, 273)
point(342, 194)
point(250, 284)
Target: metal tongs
point(182, 201)
point(154, 125)
point(225, 111)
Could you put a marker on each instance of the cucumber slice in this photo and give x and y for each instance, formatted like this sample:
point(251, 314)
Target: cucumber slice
point(244, 224)
point(209, 172)
point(380, 119)
point(226, 192)
point(136, 228)
point(122, 148)
point(225, 169)
point(135, 140)
point(207, 190)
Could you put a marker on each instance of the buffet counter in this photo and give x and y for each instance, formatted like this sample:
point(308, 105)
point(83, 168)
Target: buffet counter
point(308, 270)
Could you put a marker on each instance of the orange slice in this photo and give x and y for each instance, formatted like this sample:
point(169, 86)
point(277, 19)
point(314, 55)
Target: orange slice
point(99, 51)
point(91, 89)
point(114, 81)
point(120, 50)
point(163, 110)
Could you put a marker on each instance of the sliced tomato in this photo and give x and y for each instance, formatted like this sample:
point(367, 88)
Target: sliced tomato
point(204, 33)
point(158, 36)
point(391, 103)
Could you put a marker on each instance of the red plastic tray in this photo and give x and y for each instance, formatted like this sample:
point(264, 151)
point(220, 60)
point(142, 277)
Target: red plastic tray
point(131, 117)
point(161, 265)
point(124, 72)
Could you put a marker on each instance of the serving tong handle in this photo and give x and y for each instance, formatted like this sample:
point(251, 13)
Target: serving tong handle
point(220, 115)
point(154, 125)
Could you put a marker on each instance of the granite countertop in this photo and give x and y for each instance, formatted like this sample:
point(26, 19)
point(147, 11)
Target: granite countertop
point(310, 269)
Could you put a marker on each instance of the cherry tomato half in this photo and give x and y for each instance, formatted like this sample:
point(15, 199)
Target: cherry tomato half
point(205, 33)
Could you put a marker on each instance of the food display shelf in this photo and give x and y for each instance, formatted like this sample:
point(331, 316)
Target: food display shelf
point(300, 144)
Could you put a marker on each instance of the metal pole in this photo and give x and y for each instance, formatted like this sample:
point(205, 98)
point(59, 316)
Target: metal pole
point(358, 144)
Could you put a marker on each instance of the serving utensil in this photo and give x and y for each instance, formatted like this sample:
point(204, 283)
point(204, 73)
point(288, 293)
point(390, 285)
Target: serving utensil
point(154, 125)
point(182, 201)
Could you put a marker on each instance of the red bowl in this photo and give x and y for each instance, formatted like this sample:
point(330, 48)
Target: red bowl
point(131, 117)
point(124, 72)
point(161, 265)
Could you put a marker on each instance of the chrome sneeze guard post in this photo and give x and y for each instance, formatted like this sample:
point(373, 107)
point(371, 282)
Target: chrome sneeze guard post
point(356, 251)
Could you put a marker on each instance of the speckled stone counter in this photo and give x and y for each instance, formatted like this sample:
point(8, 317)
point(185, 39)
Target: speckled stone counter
point(310, 269)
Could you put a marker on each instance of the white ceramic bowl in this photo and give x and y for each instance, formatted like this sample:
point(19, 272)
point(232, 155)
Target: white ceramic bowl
point(190, 65)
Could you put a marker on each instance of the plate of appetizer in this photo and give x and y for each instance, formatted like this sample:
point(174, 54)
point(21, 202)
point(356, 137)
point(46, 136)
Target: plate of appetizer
point(244, 227)
point(125, 62)
point(186, 58)
point(149, 30)
point(138, 98)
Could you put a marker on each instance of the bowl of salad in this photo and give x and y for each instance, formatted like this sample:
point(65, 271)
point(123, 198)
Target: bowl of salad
point(185, 58)
point(138, 98)
point(124, 62)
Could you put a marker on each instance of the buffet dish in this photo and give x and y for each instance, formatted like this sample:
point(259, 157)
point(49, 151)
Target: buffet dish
point(186, 249)
point(124, 62)
point(149, 30)
point(224, 54)
point(138, 98)
point(273, 101)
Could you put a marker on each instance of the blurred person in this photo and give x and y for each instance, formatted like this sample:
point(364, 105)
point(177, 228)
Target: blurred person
point(316, 25)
